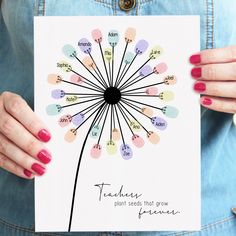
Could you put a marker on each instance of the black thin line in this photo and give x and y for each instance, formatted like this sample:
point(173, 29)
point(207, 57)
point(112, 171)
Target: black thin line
point(113, 58)
point(121, 111)
point(102, 113)
point(145, 104)
point(100, 46)
point(103, 124)
point(130, 81)
point(83, 94)
point(87, 108)
point(89, 71)
point(114, 121)
point(136, 71)
point(125, 114)
point(109, 64)
point(143, 87)
point(90, 96)
point(121, 74)
point(79, 103)
point(134, 117)
point(68, 82)
point(98, 103)
point(103, 81)
point(87, 118)
point(134, 82)
point(132, 95)
point(131, 105)
point(77, 171)
point(92, 84)
point(97, 69)
point(127, 69)
point(119, 126)
point(121, 62)
point(111, 123)
point(140, 108)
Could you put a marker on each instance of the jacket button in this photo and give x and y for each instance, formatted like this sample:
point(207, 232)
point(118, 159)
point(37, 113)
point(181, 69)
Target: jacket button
point(127, 5)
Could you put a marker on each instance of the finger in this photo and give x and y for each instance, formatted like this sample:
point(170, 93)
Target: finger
point(16, 133)
point(12, 167)
point(19, 157)
point(218, 55)
point(18, 108)
point(217, 89)
point(221, 72)
point(227, 105)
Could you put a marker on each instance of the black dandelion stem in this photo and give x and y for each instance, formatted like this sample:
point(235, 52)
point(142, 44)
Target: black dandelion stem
point(78, 168)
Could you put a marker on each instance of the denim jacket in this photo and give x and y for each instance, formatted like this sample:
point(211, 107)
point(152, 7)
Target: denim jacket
point(218, 134)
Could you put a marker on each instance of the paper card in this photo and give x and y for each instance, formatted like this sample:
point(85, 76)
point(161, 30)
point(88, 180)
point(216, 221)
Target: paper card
point(117, 95)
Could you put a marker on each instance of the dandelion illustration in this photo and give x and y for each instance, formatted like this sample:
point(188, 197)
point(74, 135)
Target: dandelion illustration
point(113, 95)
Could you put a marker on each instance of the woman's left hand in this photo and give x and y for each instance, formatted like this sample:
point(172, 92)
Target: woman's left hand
point(215, 72)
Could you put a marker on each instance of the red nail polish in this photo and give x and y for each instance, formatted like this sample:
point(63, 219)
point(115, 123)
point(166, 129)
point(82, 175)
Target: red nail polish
point(27, 173)
point(207, 101)
point(40, 170)
point(196, 72)
point(44, 135)
point(199, 87)
point(195, 59)
point(44, 156)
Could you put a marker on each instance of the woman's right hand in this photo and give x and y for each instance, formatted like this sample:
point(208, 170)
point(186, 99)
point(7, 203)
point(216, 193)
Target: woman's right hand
point(21, 138)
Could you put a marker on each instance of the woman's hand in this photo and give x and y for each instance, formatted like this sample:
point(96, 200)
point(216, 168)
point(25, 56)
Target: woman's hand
point(21, 136)
point(215, 72)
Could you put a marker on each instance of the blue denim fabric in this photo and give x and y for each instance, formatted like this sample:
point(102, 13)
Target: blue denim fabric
point(218, 29)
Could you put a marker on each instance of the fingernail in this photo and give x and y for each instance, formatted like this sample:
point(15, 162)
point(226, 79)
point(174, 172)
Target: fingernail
point(40, 170)
point(199, 87)
point(233, 209)
point(196, 72)
point(195, 59)
point(27, 173)
point(44, 156)
point(44, 135)
point(207, 101)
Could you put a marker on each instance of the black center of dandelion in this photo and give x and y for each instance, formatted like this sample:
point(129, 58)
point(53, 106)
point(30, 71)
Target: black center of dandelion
point(112, 95)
